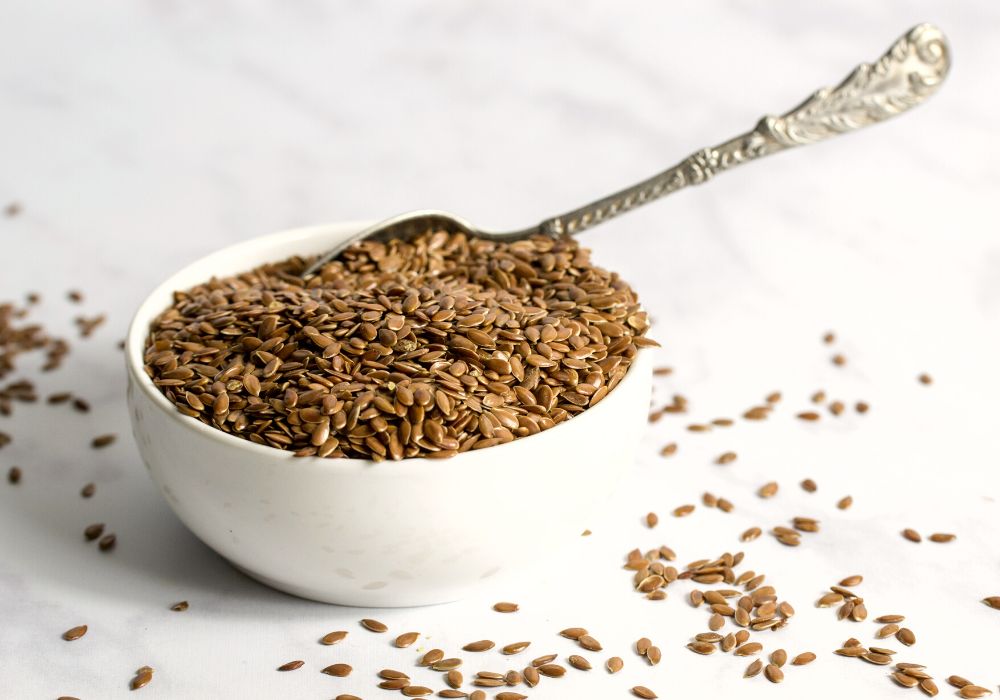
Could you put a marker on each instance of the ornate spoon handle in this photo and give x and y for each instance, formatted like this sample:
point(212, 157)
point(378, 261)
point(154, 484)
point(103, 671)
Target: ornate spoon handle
point(909, 73)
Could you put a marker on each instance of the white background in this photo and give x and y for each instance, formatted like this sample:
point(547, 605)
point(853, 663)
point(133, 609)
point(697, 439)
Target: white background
point(141, 135)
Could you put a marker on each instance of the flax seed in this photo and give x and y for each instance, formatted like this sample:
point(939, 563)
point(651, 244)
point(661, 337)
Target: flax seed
point(906, 636)
point(103, 440)
point(669, 450)
point(804, 658)
point(517, 647)
point(652, 520)
point(552, 670)
point(530, 674)
point(653, 655)
point(683, 511)
point(482, 645)
point(768, 489)
point(180, 607)
point(506, 607)
point(339, 670)
point(974, 691)
point(542, 660)
point(107, 542)
point(374, 625)
point(940, 537)
point(808, 415)
point(644, 692)
point(93, 531)
point(929, 687)
point(292, 666)
point(75, 633)
point(809, 485)
point(615, 664)
point(753, 669)
point(702, 647)
point(726, 458)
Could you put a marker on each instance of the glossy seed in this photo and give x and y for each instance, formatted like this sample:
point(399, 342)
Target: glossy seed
point(506, 607)
point(697, 598)
point(845, 502)
point(914, 672)
point(75, 633)
point(860, 612)
point(392, 675)
point(552, 670)
point(574, 632)
point(452, 693)
point(803, 659)
point(402, 641)
point(751, 534)
point(876, 658)
point(508, 695)
point(516, 647)
point(481, 645)
point(142, 680)
point(905, 680)
point(911, 535)
point(728, 642)
point(644, 692)
point(929, 687)
point(414, 691)
point(851, 581)
point(374, 625)
point(335, 637)
point(652, 519)
point(852, 651)
point(588, 642)
point(941, 537)
point(716, 622)
point(542, 660)
point(882, 650)
point(94, 531)
point(749, 649)
point(683, 511)
point(809, 485)
point(726, 458)
point(291, 666)
point(615, 664)
point(339, 670)
point(432, 657)
point(180, 607)
point(779, 657)
point(477, 695)
point(773, 673)
point(974, 691)
point(530, 674)
point(701, 647)
point(107, 542)
point(909, 667)
point(993, 602)
point(753, 669)
point(906, 636)
point(768, 489)
point(830, 600)
point(653, 655)
point(786, 609)
point(890, 618)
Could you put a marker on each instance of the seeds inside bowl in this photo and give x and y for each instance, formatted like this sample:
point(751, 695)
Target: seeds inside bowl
point(424, 348)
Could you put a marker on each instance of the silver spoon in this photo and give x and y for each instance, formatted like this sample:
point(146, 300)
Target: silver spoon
point(910, 72)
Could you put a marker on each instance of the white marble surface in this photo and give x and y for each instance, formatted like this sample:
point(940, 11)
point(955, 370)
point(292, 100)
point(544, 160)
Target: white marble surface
point(139, 136)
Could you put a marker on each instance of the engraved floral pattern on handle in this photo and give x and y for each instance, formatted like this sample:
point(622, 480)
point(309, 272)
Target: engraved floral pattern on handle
point(910, 71)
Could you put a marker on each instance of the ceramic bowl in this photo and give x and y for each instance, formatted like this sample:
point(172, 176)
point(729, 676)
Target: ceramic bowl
point(353, 532)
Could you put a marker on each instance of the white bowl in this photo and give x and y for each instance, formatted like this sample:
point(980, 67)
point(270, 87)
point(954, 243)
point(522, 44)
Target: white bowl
point(353, 532)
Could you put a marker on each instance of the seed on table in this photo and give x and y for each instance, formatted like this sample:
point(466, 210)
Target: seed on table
point(914, 672)
point(491, 676)
point(142, 680)
point(669, 450)
point(75, 633)
point(728, 642)
point(477, 695)
point(716, 622)
point(518, 647)
point(667, 553)
point(851, 651)
point(774, 397)
point(394, 683)
point(432, 657)
point(291, 666)
point(88, 490)
point(860, 612)
point(530, 674)
point(392, 675)
point(103, 440)
point(450, 693)
point(542, 660)
point(93, 531)
point(481, 645)
point(506, 607)
point(779, 657)
point(415, 691)
point(588, 642)
point(839, 360)
point(809, 485)
point(993, 601)
point(941, 537)
point(741, 637)
point(643, 645)
point(876, 658)
point(14, 475)
point(653, 654)
point(742, 617)
point(909, 667)
point(697, 598)
point(748, 649)
point(586, 533)
point(830, 600)
point(644, 692)
point(726, 458)
point(723, 422)
point(683, 510)
point(107, 542)
point(652, 520)
point(340, 670)
point(906, 636)
point(709, 500)
point(696, 428)
point(882, 650)
point(925, 379)
point(974, 691)
point(852, 581)
point(905, 680)
point(890, 618)
point(508, 695)
point(786, 609)
point(845, 502)
point(819, 397)
point(663, 371)
point(958, 681)
point(808, 415)
point(773, 673)
point(753, 669)
point(751, 534)
point(789, 540)
point(725, 506)
point(615, 664)
point(180, 607)
point(929, 687)
point(374, 625)
point(575, 632)
point(757, 413)
point(710, 637)
point(702, 647)
point(768, 489)
point(803, 659)
point(552, 670)
point(836, 408)
point(335, 637)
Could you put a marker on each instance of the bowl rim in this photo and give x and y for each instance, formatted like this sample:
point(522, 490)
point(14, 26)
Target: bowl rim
point(135, 343)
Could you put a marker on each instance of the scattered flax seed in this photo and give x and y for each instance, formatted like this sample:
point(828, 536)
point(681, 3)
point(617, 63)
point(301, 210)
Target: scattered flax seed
point(749, 649)
point(929, 686)
point(887, 631)
point(477, 695)
point(709, 500)
point(974, 691)
point(809, 485)
point(394, 684)
point(335, 637)
point(586, 533)
point(702, 647)
point(588, 642)
point(882, 650)
point(644, 692)
point(519, 647)
point(773, 673)
point(88, 490)
point(697, 598)
point(993, 601)
point(107, 542)
point(615, 664)
point(726, 458)
point(339, 670)
point(530, 674)
point(643, 645)
point(653, 655)
point(669, 450)
point(786, 609)
point(941, 537)
point(779, 657)
point(836, 408)
point(728, 642)
point(181, 606)
point(14, 475)
point(552, 670)
point(725, 506)
point(667, 553)
point(861, 407)
point(852, 651)
point(142, 680)
point(845, 502)
point(803, 659)
point(808, 415)
point(905, 680)
point(102, 441)
point(660, 371)
point(852, 642)
point(574, 632)
point(374, 625)
point(508, 695)
point(753, 669)
point(757, 413)
point(839, 360)
point(925, 379)
point(506, 607)
point(751, 534)
point(876, 658)
point(415, 691)
point(830, 600)
point(723, 422)
point(698, 428)
point(829, 338)
point(292, 666)
point(93, 531)
point(75, 633)
point(652, 519)
point(958, 681)
point(542, 660)
point(906, 636)
point(450, 693)
point(683, 511)
point(491, 675)
point(852, 580)
point(432, 657)
point(890, 618)
point(81, 405)
point(447, 665)
point(481, 645)
point(911, 535)
point(774, 397)
point(768, 489)
point(75, 296)
point(819, 397)
point(389, 674)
